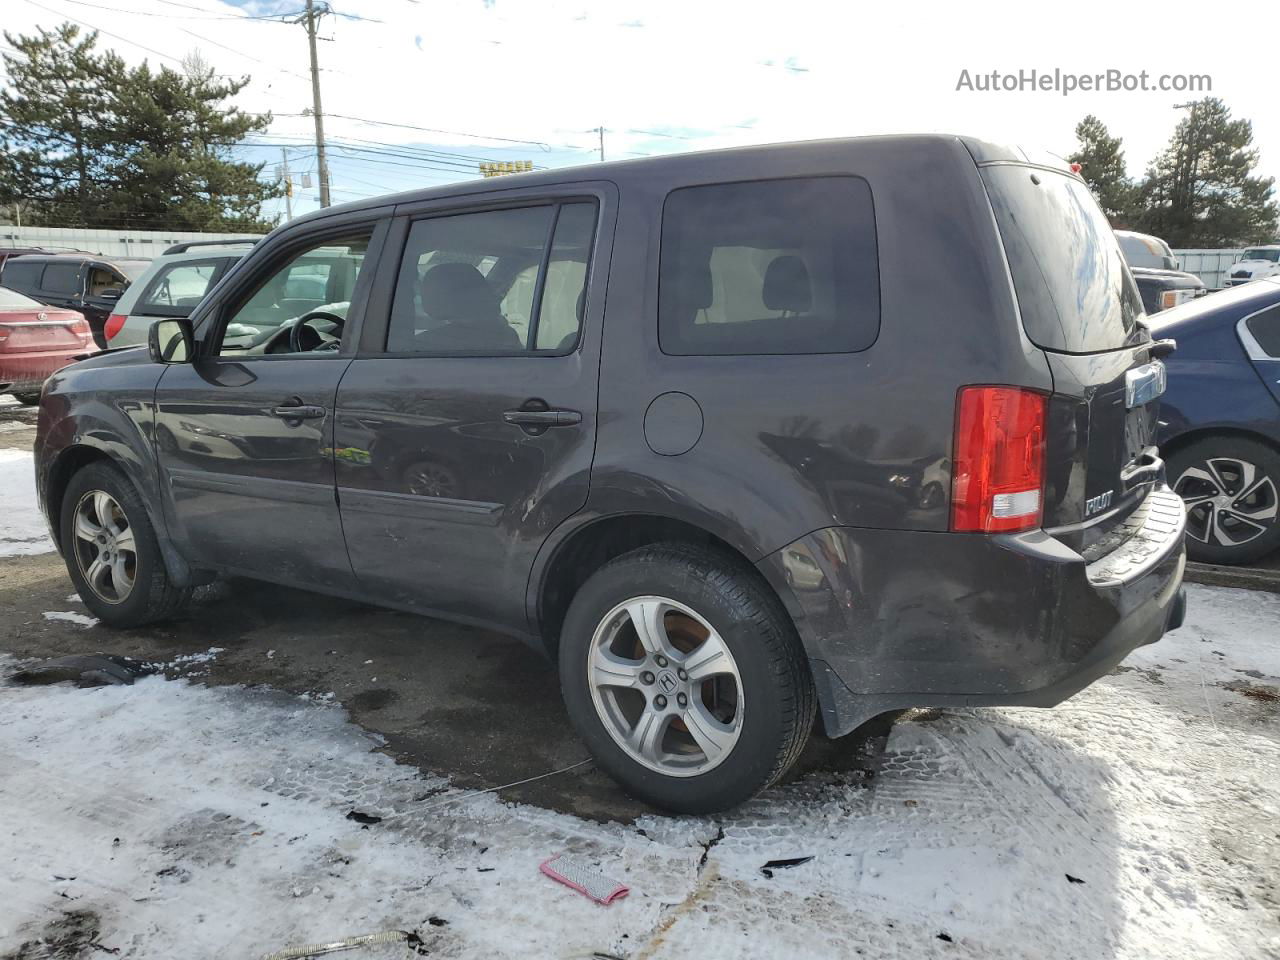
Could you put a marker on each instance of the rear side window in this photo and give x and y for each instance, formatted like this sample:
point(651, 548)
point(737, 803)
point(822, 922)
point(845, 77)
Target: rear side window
point(21, 276)
point(61, 278)
point(1074, 291)
point(494, 283)
point(177, 288)
point(769, 267)
point(1265, 328)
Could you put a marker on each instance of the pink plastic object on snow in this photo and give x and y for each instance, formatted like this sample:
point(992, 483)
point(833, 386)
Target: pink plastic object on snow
point(584, 878)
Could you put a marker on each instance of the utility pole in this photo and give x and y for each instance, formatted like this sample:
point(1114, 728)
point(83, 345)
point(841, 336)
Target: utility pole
point(309, 19)
point(601, 130)
point(288, 184)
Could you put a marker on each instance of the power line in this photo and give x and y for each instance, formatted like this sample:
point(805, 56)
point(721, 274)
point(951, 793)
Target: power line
point(272, 18)
point(453, 133)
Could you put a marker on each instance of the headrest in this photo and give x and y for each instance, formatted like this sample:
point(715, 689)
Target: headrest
point(786, 285)
point(457, 293)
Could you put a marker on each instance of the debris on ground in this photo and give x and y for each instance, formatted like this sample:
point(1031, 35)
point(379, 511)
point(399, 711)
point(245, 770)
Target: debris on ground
point(337, 946)
point(91, 670)
point(783, 864)
point(584, 878)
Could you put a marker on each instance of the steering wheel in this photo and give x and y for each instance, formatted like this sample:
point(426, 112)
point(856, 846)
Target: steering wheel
point(304, 338)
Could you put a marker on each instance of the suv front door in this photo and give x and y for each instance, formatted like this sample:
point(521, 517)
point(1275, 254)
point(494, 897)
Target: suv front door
point(466, 424)
point(244, 433)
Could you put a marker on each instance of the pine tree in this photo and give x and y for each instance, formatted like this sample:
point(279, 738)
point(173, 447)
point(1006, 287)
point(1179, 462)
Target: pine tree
point(88, 141)
point(56, 123)
point(1201, 191)
point(1101, 160)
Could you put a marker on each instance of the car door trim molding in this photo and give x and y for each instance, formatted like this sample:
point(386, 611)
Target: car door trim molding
point(412, 506)
point(263, 488)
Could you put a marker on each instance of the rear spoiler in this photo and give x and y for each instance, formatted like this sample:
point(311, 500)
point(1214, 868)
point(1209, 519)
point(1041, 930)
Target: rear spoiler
point(184, 247)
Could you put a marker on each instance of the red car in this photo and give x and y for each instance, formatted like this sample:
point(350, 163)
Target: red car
point(36, 341)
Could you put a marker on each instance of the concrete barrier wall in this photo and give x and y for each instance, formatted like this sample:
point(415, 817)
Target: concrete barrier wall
point(109, 243)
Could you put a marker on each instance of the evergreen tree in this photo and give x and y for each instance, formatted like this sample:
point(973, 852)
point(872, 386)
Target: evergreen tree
point(1201, 191)
point(56, 121)
point(88, 141)
point(1101, 160)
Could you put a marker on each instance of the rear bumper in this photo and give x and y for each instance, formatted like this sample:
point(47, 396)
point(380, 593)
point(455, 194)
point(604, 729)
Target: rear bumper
point(894, 619)
point(28, 371)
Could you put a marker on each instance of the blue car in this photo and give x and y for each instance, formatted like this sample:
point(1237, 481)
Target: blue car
point(1220, 420)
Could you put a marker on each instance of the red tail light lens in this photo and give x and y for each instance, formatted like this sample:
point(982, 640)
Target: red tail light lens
point(998, 480)
point(113, 325)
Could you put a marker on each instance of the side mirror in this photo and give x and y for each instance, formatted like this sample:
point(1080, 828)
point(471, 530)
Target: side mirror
point(170, 341)
point(111, 293)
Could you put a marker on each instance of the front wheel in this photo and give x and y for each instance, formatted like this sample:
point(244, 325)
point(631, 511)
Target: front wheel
point(111, 550)
point(685, 678)
point(1231, 486)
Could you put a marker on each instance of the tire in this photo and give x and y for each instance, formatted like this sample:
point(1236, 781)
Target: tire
point(119, 519)
point(758, 703)
point(28, 399)
point(1232, 489)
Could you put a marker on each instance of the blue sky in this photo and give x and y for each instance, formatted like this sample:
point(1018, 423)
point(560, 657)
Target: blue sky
point(418, 91)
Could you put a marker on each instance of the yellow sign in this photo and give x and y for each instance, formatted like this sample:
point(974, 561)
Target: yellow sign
point(501, 168)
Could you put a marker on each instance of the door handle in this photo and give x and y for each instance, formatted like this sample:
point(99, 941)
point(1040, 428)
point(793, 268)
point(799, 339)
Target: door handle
point(296, 410)
point(542, 418)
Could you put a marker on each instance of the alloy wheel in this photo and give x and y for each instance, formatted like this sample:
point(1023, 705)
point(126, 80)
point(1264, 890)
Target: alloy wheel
point(1230, 502)
point(665, 686)
point(104, 546)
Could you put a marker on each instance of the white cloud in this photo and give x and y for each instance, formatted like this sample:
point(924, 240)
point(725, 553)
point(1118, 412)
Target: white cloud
point(712, 73)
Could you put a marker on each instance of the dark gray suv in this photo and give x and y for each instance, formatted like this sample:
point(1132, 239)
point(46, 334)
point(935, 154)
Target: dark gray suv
point(700, 427)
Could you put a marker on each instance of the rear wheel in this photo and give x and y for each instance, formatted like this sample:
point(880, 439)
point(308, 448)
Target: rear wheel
point(1231, 486)
point(111, 550)
point(28, 399)
point(684, 676)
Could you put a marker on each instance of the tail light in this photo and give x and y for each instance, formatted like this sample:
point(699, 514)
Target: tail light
point(113, 325)
point(998, 479)
point(4, 334)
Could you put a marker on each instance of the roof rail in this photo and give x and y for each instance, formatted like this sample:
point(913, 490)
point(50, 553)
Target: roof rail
point(184, 247)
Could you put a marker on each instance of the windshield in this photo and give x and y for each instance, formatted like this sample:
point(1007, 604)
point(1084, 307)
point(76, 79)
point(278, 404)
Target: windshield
point(12, 300)
point(1259, 254)
point(1074, 291)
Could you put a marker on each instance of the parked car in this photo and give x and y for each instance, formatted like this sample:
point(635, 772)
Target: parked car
point(1255, 264)
point(88, 284)
point(171, 286)
point(1220, 420)
point(1155, 268)
point(35, 341)
point(7, 252)
point(646, 486)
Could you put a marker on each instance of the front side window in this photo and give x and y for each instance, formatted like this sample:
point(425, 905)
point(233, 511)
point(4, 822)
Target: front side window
point(177, 288)
point(494, 283)
point(312, 291)
point(101, 280)
point(769, 267)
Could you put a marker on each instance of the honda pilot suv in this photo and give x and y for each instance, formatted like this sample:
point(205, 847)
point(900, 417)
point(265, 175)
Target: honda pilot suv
point(696, 427)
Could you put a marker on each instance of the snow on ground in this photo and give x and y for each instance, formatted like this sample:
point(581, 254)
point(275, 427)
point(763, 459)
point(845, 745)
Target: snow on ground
point(1138, 820)
point(24, 530)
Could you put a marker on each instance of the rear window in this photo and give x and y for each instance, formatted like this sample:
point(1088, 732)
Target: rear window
point(177, 288)
point(769, 267)
point(11, 299)
point(1265, 328)
point(1074, 291)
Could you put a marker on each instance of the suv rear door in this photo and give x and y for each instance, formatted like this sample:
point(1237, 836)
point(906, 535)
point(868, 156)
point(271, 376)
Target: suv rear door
point(1079, 304)
point(466, 424)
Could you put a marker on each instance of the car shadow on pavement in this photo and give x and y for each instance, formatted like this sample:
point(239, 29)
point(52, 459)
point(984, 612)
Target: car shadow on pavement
point(479, 707)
